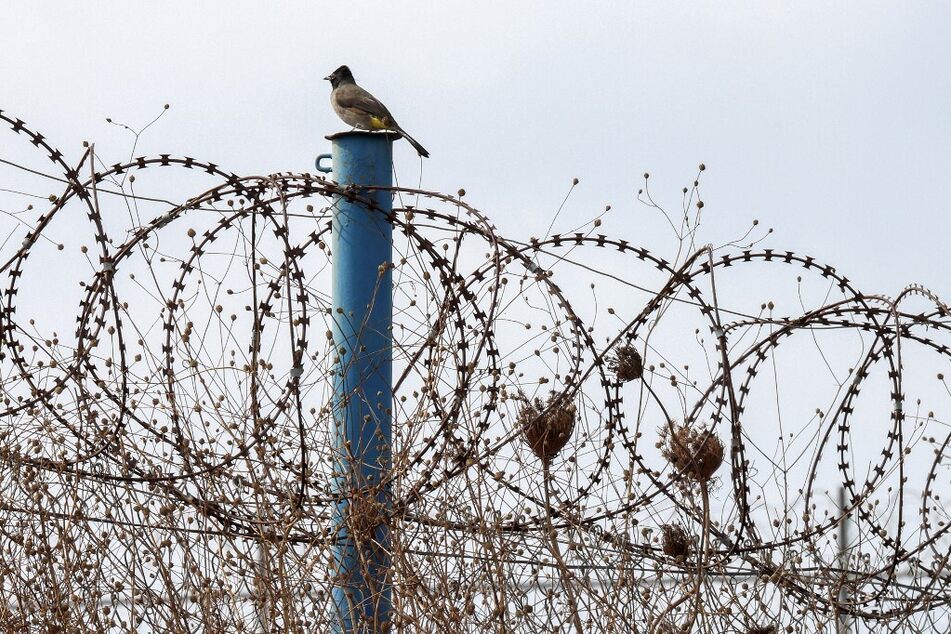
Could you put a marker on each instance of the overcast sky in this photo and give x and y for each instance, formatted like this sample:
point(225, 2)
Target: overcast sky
point(828, 121)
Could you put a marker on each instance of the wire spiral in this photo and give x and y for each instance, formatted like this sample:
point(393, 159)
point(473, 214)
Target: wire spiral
point(165, 428)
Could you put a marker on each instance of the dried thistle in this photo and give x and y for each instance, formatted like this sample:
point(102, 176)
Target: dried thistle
point(627, 363)
point(547, 426)
point(675, 542)
point(696, 453)
point(364, 514)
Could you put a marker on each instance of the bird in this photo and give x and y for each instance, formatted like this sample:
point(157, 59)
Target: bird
point(360, 109)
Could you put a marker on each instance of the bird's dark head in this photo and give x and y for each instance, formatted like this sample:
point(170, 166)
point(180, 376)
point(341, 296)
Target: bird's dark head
point(340, 76)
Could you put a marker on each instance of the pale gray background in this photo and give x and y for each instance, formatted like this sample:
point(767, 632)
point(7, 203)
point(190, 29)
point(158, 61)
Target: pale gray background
point(827, 121)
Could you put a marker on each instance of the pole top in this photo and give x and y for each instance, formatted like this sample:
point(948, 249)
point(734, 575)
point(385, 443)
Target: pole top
point(389, 135)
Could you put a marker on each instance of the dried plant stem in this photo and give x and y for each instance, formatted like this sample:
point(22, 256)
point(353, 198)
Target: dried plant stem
point(701, 558)
point(696, 593)
point(564, 573)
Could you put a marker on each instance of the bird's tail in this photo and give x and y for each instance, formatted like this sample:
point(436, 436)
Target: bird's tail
point(419, 148)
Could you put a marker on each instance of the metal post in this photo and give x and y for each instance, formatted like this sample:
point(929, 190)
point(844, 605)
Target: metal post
point(361, 250)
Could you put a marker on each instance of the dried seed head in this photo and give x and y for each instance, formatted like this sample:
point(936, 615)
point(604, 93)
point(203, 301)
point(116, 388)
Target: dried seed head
point(627, 363)
point(364, 514)
point(696, 453)
point(547, 426)
point(762, 629)
point(675, 542)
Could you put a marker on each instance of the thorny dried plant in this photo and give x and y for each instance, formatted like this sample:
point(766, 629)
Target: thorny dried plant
point(547, 426)
point(696, 453)
point(674, 541)
point(627, 363)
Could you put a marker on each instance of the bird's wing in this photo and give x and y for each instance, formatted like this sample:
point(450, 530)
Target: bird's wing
point(353, 96)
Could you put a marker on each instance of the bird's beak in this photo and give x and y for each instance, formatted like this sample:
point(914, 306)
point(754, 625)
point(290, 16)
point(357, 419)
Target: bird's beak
point(327, 78)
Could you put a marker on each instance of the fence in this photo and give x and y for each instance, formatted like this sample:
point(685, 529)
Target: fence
point(586, 436)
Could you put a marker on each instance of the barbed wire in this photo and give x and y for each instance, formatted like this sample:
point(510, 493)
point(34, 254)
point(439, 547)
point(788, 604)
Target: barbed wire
point(558, 464)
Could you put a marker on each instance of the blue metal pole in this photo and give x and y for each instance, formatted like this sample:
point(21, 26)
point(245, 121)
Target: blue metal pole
point(361, 248)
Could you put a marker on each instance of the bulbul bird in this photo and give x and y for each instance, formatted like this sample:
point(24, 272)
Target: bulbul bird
point(360, 109)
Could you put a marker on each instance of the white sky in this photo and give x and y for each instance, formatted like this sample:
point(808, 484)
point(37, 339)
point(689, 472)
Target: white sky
point(829, 121)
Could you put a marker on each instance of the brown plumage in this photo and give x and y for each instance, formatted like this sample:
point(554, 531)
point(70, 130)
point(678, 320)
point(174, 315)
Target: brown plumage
point(360, 109)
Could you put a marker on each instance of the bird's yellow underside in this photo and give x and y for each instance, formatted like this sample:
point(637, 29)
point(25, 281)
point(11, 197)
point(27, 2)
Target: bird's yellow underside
point(377, 123)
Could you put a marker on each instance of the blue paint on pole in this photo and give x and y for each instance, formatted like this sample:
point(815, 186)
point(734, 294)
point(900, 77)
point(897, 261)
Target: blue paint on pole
point(361, 248)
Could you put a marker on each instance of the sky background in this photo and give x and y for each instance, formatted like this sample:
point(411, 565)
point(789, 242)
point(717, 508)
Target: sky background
point(827, 121)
